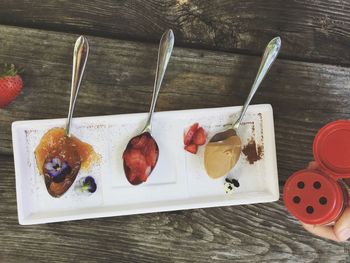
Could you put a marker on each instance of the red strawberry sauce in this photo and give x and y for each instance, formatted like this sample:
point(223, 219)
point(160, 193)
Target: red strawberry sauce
point(140, 158)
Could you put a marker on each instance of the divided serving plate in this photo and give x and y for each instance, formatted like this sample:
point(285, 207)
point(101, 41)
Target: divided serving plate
point(179, 180)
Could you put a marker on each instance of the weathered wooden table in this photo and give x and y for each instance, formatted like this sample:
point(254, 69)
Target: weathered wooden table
point(218, 48)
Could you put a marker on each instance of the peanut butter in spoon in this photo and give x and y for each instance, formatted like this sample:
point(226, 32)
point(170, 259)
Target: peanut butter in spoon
point(224, 148)
point(221, 156)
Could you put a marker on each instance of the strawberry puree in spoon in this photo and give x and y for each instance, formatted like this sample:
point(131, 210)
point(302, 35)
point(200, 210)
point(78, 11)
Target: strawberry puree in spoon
point(140, 158)
point(141, 153)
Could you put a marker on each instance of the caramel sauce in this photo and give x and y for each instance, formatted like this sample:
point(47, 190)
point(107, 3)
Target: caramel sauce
point(78, 155)
point(55, 139)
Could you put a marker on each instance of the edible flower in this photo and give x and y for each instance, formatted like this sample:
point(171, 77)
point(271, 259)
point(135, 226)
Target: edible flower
point(57, 169)
point(86, 185)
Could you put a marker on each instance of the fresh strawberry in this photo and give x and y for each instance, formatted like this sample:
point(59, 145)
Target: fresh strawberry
point(10, 85)
point(190, 133)
point(137, 170)
point(139, 141)
point(151, 152)
point(137, 176)
point(140, 157)
point(133, 158)
point(145, 174)
point(192, 148)
point(199, 137)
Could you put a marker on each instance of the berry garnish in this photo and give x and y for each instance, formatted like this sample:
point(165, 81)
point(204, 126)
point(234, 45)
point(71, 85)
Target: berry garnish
point(140, 157)
point(57, 169)
point(151, 153)
point(10, 85)
point(139, 142)
point(192, 148)
point(190, 133)
point(86, 185)
point(194, 137)
point(199, 137)
point(135, 160)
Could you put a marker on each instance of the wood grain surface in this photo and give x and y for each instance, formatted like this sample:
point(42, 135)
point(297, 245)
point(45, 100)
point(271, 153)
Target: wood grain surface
point(314, 30)
point(216, 56)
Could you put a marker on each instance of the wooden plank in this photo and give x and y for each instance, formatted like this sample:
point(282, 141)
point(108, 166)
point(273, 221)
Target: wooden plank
point(311, 30)
point(263, 233)
point(120, 74)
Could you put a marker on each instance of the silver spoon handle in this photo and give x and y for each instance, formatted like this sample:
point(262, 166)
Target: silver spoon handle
point(165, 49)
point(80, 55)
point(270, 54)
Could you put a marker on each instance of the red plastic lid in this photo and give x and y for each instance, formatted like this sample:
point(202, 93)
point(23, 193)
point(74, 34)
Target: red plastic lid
point(332, 148)
point(312, 197)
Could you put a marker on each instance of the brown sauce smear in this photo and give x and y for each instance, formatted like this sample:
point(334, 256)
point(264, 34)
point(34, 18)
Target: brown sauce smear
point(253, 152)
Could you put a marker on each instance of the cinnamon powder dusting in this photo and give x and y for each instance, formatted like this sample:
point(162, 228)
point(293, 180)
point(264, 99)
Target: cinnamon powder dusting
point(253, 152)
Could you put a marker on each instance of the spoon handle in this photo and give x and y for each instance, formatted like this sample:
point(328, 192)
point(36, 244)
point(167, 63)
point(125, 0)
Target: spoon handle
point(80, 55)
point(270, 54)
point(165, 49)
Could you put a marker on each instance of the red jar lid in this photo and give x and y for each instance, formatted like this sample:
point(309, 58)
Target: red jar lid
point(312, 197)
point(332, 148)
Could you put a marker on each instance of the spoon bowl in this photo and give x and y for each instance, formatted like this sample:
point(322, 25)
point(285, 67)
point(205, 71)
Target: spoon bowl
point(221, 136)
point(140, 157)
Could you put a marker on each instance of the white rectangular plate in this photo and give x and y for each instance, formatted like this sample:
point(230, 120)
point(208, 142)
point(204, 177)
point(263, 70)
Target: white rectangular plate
point(179, 180)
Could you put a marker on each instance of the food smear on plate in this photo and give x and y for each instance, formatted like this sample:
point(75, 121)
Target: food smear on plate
point(59, 158)
point(195, 136)
point(252, 151)
point(221, 156)
point(140, 157)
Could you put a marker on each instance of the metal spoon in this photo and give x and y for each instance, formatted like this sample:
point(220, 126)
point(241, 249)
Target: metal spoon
point(271, 51)
point(145, 157)
point(165, 49)
point(80, 55)
point(224, 148)
point(65, 154)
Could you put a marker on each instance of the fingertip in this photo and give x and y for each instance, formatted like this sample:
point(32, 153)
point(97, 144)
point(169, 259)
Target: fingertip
point(342, 226)
point(343, 235)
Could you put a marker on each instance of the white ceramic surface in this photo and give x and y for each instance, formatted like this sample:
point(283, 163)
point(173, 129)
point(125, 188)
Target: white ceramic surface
point(179, 180)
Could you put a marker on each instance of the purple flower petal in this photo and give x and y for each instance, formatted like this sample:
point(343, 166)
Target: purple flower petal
point(56, 161)
point(90, 182)
point(57, 170)
point(49, 166)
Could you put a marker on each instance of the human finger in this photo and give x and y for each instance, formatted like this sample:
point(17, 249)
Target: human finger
point(342, 226)
point(321, 231)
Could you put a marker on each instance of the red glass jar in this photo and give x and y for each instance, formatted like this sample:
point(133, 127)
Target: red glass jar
point(318, 197)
